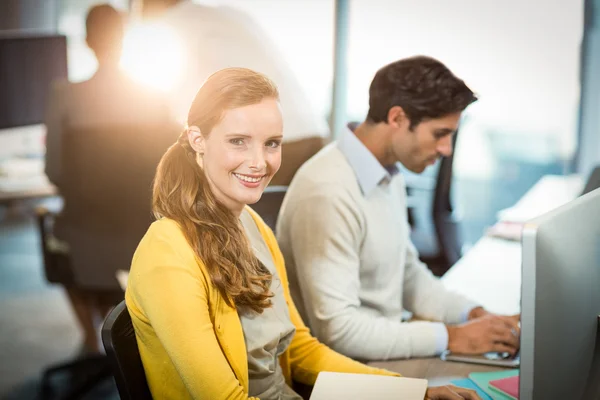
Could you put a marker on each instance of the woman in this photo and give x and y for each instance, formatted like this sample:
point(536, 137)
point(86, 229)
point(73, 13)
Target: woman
point(208, 293)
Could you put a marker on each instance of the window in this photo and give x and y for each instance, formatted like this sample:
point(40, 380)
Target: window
point(302, 30)
point(523, 67)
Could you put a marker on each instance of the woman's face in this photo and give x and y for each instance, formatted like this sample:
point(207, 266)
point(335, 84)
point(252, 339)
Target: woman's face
point(242, 153)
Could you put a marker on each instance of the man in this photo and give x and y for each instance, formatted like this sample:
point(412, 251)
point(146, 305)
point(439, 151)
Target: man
point(344, 233)
point(108, 99)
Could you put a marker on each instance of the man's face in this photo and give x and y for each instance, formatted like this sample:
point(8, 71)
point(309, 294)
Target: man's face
point(420, 147)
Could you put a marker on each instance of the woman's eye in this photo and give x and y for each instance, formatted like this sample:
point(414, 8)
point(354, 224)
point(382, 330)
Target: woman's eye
point(237, 142)
point(273, 143)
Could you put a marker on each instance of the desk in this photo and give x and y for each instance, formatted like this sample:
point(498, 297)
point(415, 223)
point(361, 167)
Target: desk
point(32, 193)
point(23, 178)
point(490, 274)
point(436, 371)
point(17, 188)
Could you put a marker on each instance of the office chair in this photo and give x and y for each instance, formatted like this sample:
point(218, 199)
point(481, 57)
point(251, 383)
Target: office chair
point(106, 184)
point(87, 371)
point(269, 204)
point(441, 248)
point(293, 155)
point(118, 338)
point(593, 181)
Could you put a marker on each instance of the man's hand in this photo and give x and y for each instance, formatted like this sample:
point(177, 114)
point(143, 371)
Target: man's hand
point(484, 334)
point(450, 393)
point(479, 312)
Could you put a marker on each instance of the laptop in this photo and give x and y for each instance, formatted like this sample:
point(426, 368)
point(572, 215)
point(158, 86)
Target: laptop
point(493, 359)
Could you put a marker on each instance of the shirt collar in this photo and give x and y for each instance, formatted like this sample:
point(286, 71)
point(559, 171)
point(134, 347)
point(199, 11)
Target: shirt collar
point(369, 172)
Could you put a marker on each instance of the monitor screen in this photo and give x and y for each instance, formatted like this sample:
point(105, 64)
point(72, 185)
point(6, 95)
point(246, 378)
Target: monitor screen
point(28, 64)
point(560, 302)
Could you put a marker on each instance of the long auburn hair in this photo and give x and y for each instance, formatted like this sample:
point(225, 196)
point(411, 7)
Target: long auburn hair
point(181, 192)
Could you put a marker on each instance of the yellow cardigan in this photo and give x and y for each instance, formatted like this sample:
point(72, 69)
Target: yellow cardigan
point(191, 343)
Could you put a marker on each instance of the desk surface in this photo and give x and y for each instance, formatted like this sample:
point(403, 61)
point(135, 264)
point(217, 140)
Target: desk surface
point(15, 188)
point(436, 371)
point(45, 191)
point(490, 274)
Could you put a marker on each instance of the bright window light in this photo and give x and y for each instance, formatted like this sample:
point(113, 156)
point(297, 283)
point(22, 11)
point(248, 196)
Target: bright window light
point(153, 55)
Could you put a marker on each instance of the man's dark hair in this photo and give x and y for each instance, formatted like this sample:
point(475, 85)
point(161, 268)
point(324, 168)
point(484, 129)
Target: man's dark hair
point(424, 88)
point(104, 28)
point(155, 8)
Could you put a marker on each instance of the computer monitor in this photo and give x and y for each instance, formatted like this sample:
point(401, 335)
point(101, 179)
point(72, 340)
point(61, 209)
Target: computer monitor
point(29, 62)
point(560, 303)
point(593, 181)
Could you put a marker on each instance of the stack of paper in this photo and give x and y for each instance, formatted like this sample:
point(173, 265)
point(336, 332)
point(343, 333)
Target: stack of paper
point(341, 386)
point(507, 386)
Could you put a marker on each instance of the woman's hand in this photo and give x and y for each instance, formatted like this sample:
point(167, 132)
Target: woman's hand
point(451, 392)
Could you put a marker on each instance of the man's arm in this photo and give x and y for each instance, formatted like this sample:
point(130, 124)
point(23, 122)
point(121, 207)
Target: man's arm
point(325, 236)
point(427, 297)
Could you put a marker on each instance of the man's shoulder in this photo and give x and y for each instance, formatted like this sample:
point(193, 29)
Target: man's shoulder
point(328, 167)
point(326, 178)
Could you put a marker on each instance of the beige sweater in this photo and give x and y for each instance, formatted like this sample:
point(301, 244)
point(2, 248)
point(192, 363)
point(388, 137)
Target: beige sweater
point(352, 267)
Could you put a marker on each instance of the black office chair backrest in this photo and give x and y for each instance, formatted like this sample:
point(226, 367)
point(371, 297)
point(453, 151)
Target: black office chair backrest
point(269, 204)
point(121, 348)
point(446, 228)
point(106, 183)
point(293, 155)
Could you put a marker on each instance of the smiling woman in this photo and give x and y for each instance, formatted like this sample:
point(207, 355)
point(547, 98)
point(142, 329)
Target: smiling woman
point(208, 292)
point(221, 163)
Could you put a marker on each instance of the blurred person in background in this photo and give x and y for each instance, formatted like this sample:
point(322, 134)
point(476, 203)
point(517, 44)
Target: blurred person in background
point(109, 98)
point(217, 37)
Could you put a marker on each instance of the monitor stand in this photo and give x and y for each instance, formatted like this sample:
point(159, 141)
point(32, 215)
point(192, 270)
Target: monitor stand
point(592, 390)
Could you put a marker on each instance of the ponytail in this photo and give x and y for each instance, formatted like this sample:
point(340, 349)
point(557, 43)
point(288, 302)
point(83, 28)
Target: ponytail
point(181, 193)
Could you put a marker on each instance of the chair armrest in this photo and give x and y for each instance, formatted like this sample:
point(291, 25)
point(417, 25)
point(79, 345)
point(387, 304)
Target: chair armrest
point(45, 220)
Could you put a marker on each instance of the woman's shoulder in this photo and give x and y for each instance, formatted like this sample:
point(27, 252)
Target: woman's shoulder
point(164, 234)
point(167, 230)
point(165, 247)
